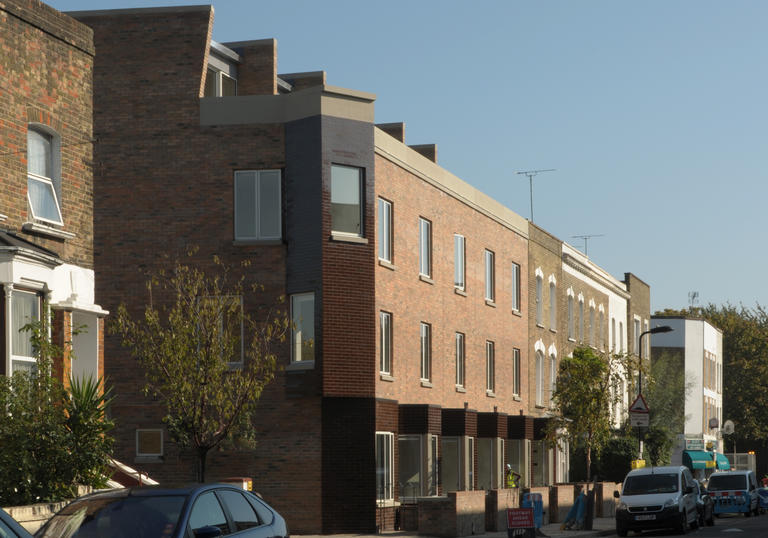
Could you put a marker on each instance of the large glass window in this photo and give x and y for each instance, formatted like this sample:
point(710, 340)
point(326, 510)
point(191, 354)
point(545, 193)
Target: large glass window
point(258, 213)
point(515, 286)
point(490, 366)
point(425, 247)
point(303, 330)
point(25, 309)
point(384, 466)
point(347, 199)
point(459, 266)
point(426, 352)
point(385, 345)
point(460, 362)
point(43, 187)
point(490, 276)
point(385, 230)
point(409, 466)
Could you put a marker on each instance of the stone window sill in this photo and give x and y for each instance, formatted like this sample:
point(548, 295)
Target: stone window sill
point(42, 229)
point(348, 238)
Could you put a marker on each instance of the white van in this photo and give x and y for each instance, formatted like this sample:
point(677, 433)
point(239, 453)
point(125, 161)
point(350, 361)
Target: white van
point(657, 498)
point(734, 492)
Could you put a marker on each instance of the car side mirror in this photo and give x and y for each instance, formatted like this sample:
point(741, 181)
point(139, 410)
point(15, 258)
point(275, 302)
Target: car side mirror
point(616, 494)
point(209, 531)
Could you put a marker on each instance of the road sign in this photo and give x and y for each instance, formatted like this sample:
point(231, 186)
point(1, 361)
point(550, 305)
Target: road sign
point(519, 518)
point(639, 405)
point(639, 419)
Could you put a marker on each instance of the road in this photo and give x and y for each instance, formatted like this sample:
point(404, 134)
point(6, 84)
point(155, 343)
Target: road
point(727, 526)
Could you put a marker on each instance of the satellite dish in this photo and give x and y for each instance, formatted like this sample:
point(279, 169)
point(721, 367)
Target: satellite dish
point(728, 427)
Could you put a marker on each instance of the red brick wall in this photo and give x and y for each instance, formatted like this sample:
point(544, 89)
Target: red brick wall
point(411, 300)
point(46, 77)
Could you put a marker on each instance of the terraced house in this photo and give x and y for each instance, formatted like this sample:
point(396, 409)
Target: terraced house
point(46, 187)
point(409, 368)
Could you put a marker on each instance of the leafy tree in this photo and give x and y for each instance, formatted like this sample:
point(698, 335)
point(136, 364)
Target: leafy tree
point(587, 387)
point(53, 438)
point(191, 347)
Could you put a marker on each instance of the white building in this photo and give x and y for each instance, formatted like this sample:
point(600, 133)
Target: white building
point(699, 347)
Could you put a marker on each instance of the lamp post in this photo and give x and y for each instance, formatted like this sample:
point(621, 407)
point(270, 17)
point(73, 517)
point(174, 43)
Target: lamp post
point(654, 330)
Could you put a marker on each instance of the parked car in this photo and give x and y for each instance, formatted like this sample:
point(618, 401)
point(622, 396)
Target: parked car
point(734, 492)
point(762, 495)
point(657, 498)
point(203, 511)
point(704, 505)
point(10, 528)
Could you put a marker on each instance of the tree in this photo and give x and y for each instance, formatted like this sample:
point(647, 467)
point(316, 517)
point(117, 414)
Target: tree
point(587, 386)
point(53, 438)
point(204, 357)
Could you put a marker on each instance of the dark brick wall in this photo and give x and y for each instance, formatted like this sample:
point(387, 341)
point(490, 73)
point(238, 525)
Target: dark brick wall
point(420, 419)
point(639, 305)
point(492, 425)
point(46, 78)
point(460, 422)
point(520, 427)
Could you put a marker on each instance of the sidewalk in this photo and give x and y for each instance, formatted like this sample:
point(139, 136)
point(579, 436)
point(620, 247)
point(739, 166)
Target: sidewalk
point(601, 526)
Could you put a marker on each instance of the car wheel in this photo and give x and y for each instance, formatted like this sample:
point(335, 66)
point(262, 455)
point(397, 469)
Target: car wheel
point(621, 531)
point(682, 525)
point(748, 513)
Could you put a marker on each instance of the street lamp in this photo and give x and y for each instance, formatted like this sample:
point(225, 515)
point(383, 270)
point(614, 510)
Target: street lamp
point(660, 329)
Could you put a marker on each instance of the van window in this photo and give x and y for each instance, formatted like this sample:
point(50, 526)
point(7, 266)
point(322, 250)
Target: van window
point(723, 482)
point(643, 484)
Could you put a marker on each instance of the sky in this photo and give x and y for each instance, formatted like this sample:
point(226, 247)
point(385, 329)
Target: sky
point(653, 115)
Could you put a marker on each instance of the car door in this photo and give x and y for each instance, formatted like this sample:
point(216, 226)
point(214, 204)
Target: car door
point(689, 499)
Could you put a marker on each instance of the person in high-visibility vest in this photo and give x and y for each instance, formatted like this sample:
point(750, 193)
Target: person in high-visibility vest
point(513, 479)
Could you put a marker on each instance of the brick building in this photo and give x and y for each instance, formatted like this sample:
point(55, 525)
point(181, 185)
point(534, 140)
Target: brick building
point(46, 187)
point(409, 371)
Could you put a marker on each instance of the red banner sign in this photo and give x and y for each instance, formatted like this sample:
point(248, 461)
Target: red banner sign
point(519, 518)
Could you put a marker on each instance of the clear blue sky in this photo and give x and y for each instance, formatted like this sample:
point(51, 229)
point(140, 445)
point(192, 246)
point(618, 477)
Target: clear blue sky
point(653, 113)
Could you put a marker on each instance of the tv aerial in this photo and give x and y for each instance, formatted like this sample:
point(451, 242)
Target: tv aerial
point(586, 238)
point(531, 174)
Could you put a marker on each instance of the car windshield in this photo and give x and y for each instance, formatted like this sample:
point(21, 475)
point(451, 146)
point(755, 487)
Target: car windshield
point(723, 482)
point(643, 484)
point(116, 517)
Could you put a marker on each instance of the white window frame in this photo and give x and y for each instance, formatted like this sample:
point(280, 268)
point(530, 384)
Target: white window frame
point(459, 262)
point(385, 343)
point(425, 340)
point(360, 200)
point(460, 341)
point(54, 182)
point(218, 85)
point(385, 230)
point(539, 378)
point(490, 367)
point(552, 377)
point(140, 454)
point(425, 247)
point(27, 335)
point(592, 327)
point(571, 321)
point(552, 303)
point(515, 287)
point(297, 298)
point(385, 466)
point(636, 326)
point(539, 299)
point(257, 176)
point(490, 275)
point(581, 319)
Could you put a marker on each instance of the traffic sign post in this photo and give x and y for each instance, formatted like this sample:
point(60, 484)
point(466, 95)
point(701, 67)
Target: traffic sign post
point(639, 417)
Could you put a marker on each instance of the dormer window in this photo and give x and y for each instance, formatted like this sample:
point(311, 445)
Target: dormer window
point(221, 77)
point(219, 84)
point(43, 180)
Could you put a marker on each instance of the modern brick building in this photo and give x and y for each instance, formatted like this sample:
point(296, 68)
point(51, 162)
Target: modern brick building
point(46, 187)
point(408, 373)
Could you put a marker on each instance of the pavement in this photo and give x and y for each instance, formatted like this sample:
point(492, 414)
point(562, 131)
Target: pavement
point(601, 526)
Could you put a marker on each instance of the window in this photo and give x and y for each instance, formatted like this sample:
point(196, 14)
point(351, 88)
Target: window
point(636, 336)
point(385, 230)
point(490, 366)
point(571, 334)
point(613, 335)
point(600, 329)
point(516, 372)
point(417, 465)
point(459, 266)
point(581, 319)
point(219, 84)
point(592, 325)
point(384, 466)
point(258, 213)
point(539, 299)
point(207, 511)
point(460, 362)
point(43, 179)
point(303, 330)
point(385, 344)
point(425, 247)
point(490, 277)
point(25, 308)
point(243, 515)
point(552, 305)
point(515, 287)
point(552, 377)
point(347, 200)
point(539, 378)
point(149, 443)
point(621, 337)
point(426, 352)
